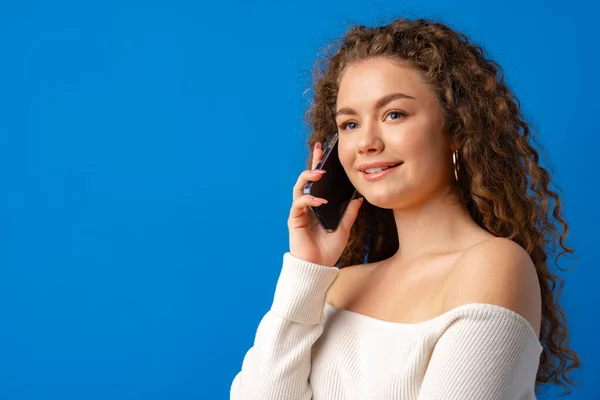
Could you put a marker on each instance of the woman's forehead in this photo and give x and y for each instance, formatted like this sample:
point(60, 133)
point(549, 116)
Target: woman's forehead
point(368, 81)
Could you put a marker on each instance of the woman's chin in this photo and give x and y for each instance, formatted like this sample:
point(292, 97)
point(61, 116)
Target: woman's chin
point(385, 201)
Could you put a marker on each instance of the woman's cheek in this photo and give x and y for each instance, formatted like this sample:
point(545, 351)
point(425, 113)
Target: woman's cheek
point(346, 155)
point(405, 145)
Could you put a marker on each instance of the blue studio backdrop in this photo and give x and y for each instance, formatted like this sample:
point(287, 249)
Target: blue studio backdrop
point(147, 154)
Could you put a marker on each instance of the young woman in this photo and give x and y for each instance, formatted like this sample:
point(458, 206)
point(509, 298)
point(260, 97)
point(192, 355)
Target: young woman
point(436, 284)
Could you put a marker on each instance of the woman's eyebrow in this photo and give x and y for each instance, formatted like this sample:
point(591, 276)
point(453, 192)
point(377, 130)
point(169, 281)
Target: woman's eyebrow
point(380, 103)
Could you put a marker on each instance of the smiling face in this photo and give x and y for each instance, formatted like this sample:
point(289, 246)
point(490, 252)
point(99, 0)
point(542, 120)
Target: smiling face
point(385, 113)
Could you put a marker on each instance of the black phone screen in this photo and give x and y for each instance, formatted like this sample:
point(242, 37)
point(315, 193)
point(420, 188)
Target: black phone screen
point(334, 186)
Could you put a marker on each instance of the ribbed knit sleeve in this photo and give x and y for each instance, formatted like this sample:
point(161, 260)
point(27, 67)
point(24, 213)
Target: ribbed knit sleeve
point(279, 363)
point(488, 352)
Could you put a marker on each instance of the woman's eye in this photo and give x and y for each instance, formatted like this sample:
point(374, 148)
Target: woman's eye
point(395, 115)
point(349, 125)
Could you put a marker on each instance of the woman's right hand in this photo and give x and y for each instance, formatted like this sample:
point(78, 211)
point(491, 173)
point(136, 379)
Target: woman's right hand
point(308, 240)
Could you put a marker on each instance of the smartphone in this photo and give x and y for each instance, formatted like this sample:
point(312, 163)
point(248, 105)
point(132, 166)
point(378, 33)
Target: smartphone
point(334, 186)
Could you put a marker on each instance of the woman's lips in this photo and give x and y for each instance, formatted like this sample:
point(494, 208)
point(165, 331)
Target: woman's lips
point(378, 175)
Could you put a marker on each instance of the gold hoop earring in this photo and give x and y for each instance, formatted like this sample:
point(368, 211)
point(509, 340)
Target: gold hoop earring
point(455, 162)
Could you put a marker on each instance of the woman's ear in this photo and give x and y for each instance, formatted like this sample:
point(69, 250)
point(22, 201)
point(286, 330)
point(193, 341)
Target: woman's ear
point(454, 144)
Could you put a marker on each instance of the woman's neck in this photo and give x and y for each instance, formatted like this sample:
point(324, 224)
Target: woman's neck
point(439, 225)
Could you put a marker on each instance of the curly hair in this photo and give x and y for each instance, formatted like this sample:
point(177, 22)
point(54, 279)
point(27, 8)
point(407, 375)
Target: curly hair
point(502, 183)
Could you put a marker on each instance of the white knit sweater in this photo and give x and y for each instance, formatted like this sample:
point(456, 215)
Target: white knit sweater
point(307, 349)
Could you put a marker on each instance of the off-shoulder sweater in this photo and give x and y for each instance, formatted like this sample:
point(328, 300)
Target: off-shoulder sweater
point(306, 348)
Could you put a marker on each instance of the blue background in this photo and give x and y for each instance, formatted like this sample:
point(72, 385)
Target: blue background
point(147, 154)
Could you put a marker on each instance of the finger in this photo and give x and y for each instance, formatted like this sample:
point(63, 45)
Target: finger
point(351, 214)
point(299, 205)
point(303, 179)
point(317, 154)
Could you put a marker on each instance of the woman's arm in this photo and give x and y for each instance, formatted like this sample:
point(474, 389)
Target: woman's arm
point(494, 352)
point(278, 364)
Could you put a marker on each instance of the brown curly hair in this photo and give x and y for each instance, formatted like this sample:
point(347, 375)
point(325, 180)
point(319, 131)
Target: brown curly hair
point(502, 183)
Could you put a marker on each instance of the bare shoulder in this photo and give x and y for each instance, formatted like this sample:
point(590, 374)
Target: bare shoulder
point(496, 271)
point(349, 279)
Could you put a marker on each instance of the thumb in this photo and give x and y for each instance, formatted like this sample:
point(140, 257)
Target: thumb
point(351, 213)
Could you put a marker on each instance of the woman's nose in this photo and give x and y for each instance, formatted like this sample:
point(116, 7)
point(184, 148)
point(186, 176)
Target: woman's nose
point(369, 140)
